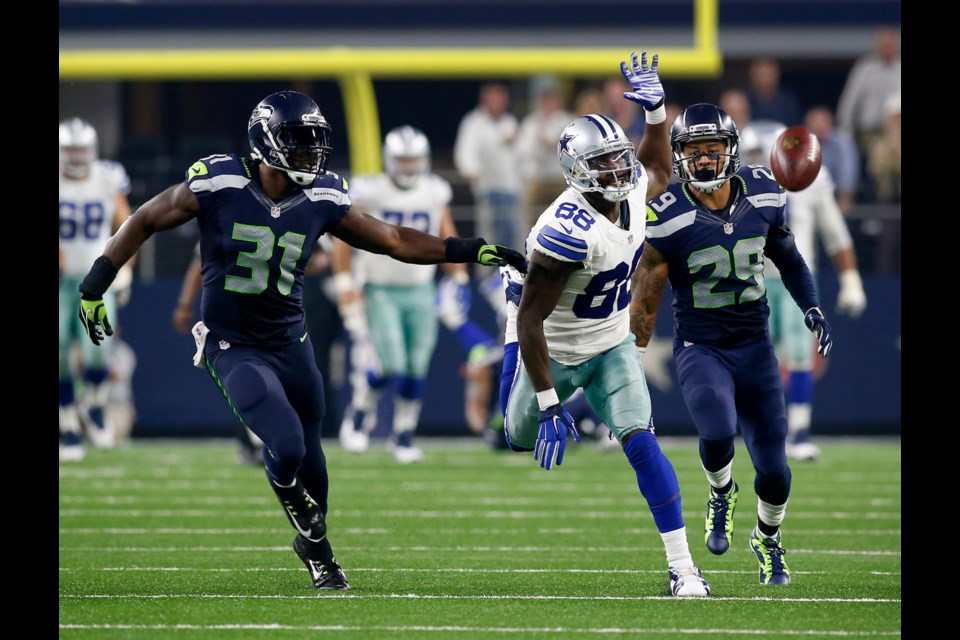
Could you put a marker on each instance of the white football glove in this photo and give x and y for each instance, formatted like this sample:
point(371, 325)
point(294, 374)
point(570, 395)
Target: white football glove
point(852, 300)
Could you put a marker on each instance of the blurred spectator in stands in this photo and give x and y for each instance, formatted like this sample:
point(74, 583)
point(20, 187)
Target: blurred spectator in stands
point(537, 151)
point(624, 112)
point(840, 154)
point(588, 100)
point(485, 155)
point(884, 160)
point(768, 99)
point(873, 78)
point(883, 165)
point(737, 106)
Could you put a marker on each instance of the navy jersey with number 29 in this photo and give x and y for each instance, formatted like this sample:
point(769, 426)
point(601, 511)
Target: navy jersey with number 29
point(716, 258)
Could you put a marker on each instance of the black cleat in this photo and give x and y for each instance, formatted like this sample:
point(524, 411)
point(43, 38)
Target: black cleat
point(325, 574)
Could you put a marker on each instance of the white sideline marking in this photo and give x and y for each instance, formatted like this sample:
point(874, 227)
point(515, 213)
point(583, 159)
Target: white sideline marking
point(618, 514)
point(416, 596)
point(453, 570)
point(401, 549)
point(441, 531)
point(504, 630)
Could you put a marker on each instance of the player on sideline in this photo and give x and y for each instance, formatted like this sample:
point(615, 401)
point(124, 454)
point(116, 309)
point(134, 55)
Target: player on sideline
point(572, 324)
point(93, 205)
point(812, 212)
point(709, 234)
point(398, 300)
point(260, 218)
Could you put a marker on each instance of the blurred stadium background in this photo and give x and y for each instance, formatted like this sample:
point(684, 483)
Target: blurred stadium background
point(168, 81)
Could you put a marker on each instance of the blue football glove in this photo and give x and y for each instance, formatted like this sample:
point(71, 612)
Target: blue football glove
point(555, 422)
point(93, 315)
point(512, 288)
point(818, 324)
point(647, 89)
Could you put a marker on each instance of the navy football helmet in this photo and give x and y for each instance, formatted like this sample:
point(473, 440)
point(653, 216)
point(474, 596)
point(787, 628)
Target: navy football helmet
point(288, 132)
point(594, 146)
point(705, 122)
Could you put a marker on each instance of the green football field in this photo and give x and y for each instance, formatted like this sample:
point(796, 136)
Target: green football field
point(173, 539)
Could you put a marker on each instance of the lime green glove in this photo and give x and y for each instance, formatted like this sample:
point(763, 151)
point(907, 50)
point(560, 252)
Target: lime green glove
point(93, 315)
point(495, 255)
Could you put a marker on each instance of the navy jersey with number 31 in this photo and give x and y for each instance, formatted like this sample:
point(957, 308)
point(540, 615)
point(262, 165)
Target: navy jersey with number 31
point(253, 250)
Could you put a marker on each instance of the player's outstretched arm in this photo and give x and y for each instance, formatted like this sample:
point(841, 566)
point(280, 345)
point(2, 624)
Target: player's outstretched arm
point(409, 245)
point(647, 289)
point(169, 209)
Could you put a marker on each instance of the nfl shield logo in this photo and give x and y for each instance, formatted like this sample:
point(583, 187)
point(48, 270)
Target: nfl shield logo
point(727, 228)
point(275, 212)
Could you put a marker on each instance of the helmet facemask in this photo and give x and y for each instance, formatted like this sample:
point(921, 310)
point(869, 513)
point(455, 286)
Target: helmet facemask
point(613, 173)
point(301, 150)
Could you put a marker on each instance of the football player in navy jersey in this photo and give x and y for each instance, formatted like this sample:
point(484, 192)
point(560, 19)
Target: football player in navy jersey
point(709, 234)
point(260, 218)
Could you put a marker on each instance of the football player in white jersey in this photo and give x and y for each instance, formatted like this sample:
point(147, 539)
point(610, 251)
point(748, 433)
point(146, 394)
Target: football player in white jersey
point(93, 205)
point(393, 324)
point(573, 324)
point(811, 213)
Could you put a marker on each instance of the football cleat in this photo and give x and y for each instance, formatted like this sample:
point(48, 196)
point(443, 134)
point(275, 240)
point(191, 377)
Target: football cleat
point(326, 574)
point(353, 437)
point(773, 568)
point(72, 452)
point(304, 514)
point(718, 530)
point(688, 583)
point(805, 451)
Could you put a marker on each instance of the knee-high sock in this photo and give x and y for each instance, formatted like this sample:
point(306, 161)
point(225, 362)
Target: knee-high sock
point(657, 480)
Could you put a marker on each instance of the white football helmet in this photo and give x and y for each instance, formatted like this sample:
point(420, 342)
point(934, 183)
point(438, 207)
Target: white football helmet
point(757, 140)
point(594, 146)
point(78, 148)
point(406, 156)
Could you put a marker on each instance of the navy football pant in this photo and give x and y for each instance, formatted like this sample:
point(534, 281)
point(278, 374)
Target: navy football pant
point(278, 393)
point(722, 387)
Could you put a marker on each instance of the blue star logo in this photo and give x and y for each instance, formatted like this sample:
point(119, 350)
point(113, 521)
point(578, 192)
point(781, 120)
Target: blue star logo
point(564, 140)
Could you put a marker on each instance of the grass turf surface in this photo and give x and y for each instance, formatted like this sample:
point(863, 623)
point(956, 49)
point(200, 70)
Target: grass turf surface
point(175, 540)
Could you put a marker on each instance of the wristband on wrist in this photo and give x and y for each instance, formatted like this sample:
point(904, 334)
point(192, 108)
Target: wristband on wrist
point(342, 282)
point(98, 279)
point(548, 398)
point(851, 278)
point(460, 250)
point(656, 115)
point(642, 350)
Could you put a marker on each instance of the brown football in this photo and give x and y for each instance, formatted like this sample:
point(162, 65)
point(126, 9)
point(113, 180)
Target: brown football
point(796, 158)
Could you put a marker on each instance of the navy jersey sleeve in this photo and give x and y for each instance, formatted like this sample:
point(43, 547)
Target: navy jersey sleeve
point(208, 178)
point(333, 188)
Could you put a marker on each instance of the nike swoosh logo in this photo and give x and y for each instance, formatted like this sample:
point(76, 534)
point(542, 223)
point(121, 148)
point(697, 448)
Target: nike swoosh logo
point(296, 525)
point(564, 227)
point(304, 337)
